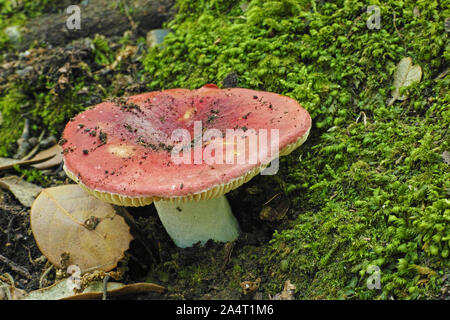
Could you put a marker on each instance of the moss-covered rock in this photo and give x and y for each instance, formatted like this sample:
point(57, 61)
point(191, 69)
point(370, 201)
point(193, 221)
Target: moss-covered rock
point(370, 186)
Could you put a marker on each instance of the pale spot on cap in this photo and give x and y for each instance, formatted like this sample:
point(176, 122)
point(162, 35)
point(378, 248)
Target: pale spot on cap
point(121, 151)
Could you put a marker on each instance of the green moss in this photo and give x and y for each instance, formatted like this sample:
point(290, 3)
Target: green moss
point(33, 175)
point(371, 187)
point(11, 126)
point(48, 108)
point(103, 55)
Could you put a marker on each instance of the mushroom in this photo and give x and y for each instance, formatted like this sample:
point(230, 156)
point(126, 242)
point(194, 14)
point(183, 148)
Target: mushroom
point(182, 150)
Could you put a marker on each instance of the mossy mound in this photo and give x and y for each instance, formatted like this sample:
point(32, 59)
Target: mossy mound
point(370, 187)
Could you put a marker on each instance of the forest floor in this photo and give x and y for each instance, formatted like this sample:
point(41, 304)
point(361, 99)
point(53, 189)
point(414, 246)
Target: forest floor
point(369, 187)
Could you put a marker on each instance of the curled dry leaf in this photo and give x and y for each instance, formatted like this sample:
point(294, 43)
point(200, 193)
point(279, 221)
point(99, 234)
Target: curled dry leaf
point(53, 155)
point(66, 220)
point(9, 292)
point(250, 286)
point(287, 293)
point(62, 290)
point(405, 75)
point(24, 191)
point(7, 163)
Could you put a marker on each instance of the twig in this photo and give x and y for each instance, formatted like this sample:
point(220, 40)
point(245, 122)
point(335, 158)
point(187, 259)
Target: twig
point(395, 26)
point(35, 149)
point(7, 277)
point(5, 289)
point(8, 232)
point(105, 287)
point(24, 272)
point(22, 142)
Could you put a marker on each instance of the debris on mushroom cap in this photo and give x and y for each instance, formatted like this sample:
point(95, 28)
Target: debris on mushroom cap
point(131, 157)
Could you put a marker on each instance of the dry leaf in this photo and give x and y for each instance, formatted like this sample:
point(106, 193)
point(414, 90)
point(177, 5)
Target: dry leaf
point(24, 191)
point(62, 290)
point(7, 163)
point(405, 75)
point(67, 220)
point(287, 293)
point(54, 156)
point(9, 292)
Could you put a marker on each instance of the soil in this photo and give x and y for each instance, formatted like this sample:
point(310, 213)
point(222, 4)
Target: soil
point(152, 255)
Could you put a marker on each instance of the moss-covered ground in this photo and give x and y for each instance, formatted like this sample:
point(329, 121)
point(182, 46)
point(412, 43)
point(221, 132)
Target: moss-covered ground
point(370, 187)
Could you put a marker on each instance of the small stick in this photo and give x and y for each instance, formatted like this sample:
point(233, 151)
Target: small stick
point(24, 272)
point(8, 230)
point(105, 287)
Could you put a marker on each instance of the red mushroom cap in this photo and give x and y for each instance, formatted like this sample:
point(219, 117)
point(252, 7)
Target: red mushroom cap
point(120, 150)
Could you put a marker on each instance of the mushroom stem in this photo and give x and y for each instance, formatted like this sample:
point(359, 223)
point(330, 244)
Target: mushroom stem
point(189, 222)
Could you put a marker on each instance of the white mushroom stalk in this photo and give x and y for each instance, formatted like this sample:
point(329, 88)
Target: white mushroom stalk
point(189, 222)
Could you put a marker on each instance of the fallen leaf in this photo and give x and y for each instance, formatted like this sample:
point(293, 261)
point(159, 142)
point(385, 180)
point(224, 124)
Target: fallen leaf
point(287, 293)
point(9, 292)
point(275, 208)
point(405, 75)
point(66, 220)
point(250, 286)
point(62, 290)
point(24, 191)
point(54, 156)
point(7, 163)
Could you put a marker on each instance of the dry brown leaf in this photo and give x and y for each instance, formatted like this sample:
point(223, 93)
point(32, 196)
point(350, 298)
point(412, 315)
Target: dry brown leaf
point(54, 156)
point(405, 75)
point(287, 293)
point(62, 290)
point(24, 191)
point(250, 286)
point(67, 220)
point(9, 292)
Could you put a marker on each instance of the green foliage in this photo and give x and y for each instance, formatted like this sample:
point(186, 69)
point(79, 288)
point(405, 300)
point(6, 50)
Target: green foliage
point(371, 187)
point(10, 107)
point(103, 55)
point(47, 105)
point(33, 175)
